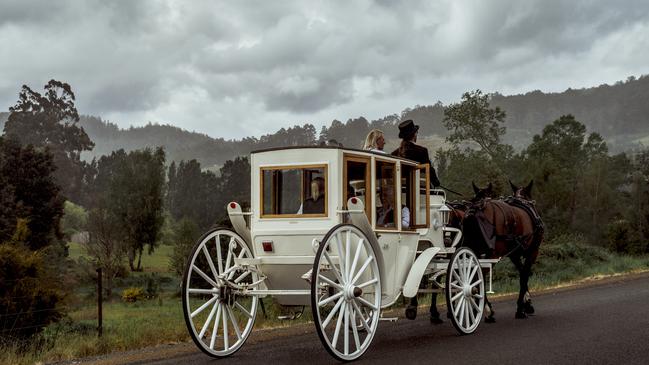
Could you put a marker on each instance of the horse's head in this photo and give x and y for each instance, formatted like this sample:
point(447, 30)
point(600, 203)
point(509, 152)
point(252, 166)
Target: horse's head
point(522, 192)
point(482, 193)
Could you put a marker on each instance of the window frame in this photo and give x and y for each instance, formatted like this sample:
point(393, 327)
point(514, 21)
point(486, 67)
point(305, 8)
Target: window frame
point(262, 169)
point(368, 181)
point(396, 180)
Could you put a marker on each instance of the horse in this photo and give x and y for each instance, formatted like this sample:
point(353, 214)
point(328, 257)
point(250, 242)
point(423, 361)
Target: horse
point(512, 228)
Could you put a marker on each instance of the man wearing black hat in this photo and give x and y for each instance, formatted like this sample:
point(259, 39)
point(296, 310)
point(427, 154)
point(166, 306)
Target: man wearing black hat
point(408, 149)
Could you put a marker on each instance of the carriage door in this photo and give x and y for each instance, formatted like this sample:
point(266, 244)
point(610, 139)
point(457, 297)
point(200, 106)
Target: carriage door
point(356, 181)
point(421, 197)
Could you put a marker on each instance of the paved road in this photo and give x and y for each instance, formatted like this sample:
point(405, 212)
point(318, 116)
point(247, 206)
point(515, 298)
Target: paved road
point(605, 323)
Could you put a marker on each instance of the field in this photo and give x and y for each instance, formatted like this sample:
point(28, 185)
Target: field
point(160, 320)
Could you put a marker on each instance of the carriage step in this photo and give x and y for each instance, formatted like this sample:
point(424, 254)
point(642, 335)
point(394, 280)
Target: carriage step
point(388, 319)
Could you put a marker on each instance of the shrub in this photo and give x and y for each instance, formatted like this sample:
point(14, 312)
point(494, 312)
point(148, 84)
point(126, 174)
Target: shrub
point(624, 238)
point(186, 234)
point(132, 295)
point(29, 298)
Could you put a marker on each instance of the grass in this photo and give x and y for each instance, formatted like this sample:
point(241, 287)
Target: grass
point(158, 261)
point(160, 321)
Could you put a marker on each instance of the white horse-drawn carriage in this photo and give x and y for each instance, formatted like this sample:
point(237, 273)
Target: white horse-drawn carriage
point(344, 231)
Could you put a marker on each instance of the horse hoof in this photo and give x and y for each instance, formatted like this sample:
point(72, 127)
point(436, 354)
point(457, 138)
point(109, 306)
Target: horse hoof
point(448, 315)
point(436, 320)
point(490, 319)
point(520, 315)
point(411, 312)
point(529, 309)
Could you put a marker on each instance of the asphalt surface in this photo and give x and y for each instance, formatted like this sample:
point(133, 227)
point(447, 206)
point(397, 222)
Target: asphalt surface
point(601, 323)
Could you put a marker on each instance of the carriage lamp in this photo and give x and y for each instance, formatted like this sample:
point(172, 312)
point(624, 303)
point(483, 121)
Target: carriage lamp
point(444, 214)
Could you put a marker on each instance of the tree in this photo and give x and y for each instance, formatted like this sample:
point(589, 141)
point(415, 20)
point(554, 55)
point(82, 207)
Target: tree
point(186, 233)
point(473, 120)
point(49, 120)
point(105, 245)
point(29, 193)
point(130, 188)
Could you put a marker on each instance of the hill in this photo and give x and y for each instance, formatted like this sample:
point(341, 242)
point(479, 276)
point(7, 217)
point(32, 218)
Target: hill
point(619, 112)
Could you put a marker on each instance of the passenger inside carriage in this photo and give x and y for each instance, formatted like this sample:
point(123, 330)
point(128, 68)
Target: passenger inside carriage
point(385, 210)
point(314, 204)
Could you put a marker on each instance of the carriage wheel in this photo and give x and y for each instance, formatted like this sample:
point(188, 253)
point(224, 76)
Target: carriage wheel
point(465, 294)
point(345, 292)
point(219, 321)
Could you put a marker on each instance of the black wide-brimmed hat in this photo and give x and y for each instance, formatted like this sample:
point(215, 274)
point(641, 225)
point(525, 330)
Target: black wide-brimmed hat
point(407, 129)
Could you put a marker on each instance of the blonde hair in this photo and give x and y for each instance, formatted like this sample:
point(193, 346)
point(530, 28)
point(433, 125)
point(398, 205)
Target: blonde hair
point(372, 137)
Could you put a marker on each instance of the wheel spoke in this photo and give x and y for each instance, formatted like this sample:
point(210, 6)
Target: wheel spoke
point(456, 310)
point(363, 321)
point(356, 257)
point(457, 296)
point(366, 303)
point(202, 291)
point(210, 262)
point(226, 345)
point(218, 253)
point(209, 320)
point(474, 304)
point(353, 314)
point(204, 276)
point(346, 334)
point(325, 323)
point(330, 299)
point(455, 286)
point(456, 275)
point(461, 311)
point(240, 255)
point(330, 282)
point(362, 269)
point(373, 281)
point(333, 268)
point(341, 314)
point(244, 310)
point(235, 324)
point(341, 258)
point(215, 331)
point(478, 282)
point(229, 256)
point(348, 246)
point(202, 307)
point(474, 270)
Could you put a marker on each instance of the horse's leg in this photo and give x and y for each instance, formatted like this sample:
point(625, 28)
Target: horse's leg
point(434, 314)
point(527, 298)
point(489, 310)
point(523, 279)
point(411, 309)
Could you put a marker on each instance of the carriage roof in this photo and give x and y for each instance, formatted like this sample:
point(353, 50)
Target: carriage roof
point(344, 149)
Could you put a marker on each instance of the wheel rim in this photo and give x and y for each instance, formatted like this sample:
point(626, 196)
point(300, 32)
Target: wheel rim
point(465, 291)
point(346, 293)
point(217, 317)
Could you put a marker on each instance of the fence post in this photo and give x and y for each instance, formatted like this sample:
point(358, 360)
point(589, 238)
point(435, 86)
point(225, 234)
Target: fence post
point(99, 303)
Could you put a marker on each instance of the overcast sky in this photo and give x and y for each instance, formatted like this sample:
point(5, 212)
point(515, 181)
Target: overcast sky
point(239, 68)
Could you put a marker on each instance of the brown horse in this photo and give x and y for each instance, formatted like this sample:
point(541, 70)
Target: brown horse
point(506, 228)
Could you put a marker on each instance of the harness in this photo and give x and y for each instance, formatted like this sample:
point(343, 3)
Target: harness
point(487, 227)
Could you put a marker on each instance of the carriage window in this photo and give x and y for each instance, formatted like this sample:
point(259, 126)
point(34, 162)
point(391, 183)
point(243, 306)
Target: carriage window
point(294, 191)
point(407, 196)
point(385, 194)
point(357, 181)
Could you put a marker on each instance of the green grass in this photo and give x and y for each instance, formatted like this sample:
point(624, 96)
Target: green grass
point(160, 321)
point(158, 261)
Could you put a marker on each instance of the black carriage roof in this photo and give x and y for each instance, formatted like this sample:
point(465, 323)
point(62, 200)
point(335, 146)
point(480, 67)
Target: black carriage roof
point(378, 154)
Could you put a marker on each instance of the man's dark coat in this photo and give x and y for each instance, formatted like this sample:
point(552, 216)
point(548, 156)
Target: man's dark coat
point(417, 153)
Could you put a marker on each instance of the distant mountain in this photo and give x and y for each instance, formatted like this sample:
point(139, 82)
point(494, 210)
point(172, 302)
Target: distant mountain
point(619, 112)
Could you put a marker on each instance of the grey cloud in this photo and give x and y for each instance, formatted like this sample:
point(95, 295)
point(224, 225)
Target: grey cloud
point(284, 59)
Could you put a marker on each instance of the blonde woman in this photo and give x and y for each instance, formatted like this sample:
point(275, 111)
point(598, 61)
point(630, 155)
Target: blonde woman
point(374, 141)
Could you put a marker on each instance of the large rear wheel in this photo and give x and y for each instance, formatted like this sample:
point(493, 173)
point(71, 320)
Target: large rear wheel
point(346, 292)
point(219, 320)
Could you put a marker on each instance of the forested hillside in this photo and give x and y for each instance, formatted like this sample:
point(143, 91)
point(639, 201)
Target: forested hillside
point(620, 113)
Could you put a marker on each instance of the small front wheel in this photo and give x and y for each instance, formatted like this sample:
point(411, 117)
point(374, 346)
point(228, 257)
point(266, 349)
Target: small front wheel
point(465, 295)
point(346, 292)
